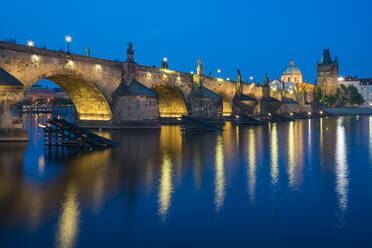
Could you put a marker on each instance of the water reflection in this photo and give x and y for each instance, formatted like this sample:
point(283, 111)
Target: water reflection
point(171, 143)
point(274, 171)
point(341, 167)
point(295, 154)
point(165, 186)
point(219, 181)
point(291, 154)
point(370, 139)
point(309, 134)
point(68, 224)
point(251, 163)
point(138, 181)
point(41, 165)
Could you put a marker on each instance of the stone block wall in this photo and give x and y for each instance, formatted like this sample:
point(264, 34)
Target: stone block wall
point(306, 108)
point(268, 107)
point(245, 107)
point(134, 109)
point(11, 100)
point(205, 108)
point(287, 108)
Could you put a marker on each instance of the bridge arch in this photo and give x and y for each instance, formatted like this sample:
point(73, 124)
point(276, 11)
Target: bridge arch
point(171, 101)
point(90, 103)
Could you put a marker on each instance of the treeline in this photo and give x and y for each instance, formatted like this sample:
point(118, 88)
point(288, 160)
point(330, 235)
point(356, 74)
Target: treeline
point(345, 96)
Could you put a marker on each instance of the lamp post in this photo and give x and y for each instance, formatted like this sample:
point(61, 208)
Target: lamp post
point(68, 39)
point(30, 43)
point(219, 72)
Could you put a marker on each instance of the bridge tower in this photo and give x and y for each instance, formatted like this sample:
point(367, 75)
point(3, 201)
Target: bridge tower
point(327, 73)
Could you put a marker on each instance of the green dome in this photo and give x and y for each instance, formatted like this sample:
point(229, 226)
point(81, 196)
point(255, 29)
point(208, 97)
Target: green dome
point(291, 70)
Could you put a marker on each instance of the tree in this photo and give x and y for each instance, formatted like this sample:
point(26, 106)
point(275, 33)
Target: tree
point(328, 99)
point(355, 97)
point(348, 95)
point(317, 94)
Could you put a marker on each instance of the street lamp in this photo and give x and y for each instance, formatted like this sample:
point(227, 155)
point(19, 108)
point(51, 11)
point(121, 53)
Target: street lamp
point(219, 72)
point(68, 39)
point(340, 79)
point(30, 43)
point(251, 78)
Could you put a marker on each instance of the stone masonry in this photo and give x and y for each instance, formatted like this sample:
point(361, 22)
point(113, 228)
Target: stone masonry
point(91, 82)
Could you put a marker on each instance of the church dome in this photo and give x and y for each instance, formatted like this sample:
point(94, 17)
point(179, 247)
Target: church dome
point(291, 70)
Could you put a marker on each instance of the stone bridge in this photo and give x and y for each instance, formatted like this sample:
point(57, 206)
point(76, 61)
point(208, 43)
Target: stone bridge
point(115, 92)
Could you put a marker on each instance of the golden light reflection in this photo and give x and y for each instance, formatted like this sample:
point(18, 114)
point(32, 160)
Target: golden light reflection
point(291, 153)
point(98, 192)
point(68, 223)
point(274, 155)
point(219, 181)
point(197, 170)
point(165, 186)
point(237, 135)
point(309, 133)
point(321, 137)
point(227, 108)
point(252, 163)
point(341, 166)
point(41, 165)
point(35, 206)
point(149, 175)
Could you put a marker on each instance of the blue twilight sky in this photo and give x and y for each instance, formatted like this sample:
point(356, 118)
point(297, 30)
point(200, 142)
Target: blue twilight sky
point(256, 36)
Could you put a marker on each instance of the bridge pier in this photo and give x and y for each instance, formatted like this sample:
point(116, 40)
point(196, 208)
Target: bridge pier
point(135, 106)
point(245, 105)
point(205, 105)
point(11, 100)
point(288, 107)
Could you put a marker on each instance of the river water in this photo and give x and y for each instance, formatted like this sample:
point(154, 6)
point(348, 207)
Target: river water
point(306, 183)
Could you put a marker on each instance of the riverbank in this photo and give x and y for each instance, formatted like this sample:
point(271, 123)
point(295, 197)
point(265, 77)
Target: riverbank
point(348, 111)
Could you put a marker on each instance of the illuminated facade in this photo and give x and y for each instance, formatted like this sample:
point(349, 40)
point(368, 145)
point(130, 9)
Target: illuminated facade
point(363, 85)
point(291, 74)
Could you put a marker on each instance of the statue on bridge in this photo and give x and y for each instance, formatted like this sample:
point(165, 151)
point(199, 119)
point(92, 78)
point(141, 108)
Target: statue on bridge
point(200, 69)
point(238, 85)
point(130, 53)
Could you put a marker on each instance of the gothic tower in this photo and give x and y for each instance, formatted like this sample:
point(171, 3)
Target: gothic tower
point(327, 73)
